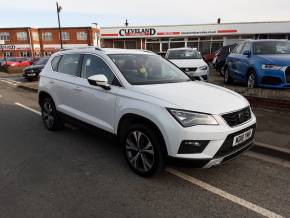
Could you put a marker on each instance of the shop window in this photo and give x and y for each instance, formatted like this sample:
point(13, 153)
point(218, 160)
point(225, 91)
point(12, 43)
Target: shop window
point(192, 45)
point(205, 38)
point(106, 43)
point(47, 36)
point(155, 47)
point(204, 47)
point(247, 36)
point(82, 36)
point(119, 44)
point(152, 40)
point(131, 44)
point(217, 38)
point(24, 54)
point(7, 54)
point(65, 36)
point(277, 36)
point(177, 45)
point(21, 36)
point(193, 39)
point(4, 36)
point(177, 39)
point(216, 46)
point(164, 46)
point(164, 39)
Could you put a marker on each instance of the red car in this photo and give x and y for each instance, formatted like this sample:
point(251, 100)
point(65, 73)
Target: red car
point(16, 62)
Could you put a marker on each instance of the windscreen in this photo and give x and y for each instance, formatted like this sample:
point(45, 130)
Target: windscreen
point(271, 47)
point(142, 69)
point(184, 54)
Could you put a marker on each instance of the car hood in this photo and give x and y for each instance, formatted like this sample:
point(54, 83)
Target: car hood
point(35, 67)
point(189, 63)
point(281, 60)
point(195, 96)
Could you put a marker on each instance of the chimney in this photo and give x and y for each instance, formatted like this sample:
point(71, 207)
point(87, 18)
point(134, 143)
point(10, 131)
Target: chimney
point(219, 21)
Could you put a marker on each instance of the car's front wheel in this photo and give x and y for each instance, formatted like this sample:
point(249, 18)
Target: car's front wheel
point(251, 82)
point(142, 150)
point(51, 119)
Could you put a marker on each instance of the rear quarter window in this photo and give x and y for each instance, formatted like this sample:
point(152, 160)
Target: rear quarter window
point(54, 62)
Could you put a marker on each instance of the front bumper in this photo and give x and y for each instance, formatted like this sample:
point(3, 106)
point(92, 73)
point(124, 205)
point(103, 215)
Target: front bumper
point(220, 139)
point(201, 75)
point(273, 79)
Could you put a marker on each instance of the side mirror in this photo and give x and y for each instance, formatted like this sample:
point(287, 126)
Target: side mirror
point(247, 53)
point(99, 80)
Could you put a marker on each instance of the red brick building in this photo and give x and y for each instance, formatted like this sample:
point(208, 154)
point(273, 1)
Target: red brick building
point(29, 42)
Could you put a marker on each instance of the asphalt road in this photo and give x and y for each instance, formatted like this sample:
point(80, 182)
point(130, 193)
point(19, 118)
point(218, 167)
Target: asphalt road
point(79, 173)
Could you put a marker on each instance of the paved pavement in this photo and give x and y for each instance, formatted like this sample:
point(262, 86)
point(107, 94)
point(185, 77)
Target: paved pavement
point(76, 173)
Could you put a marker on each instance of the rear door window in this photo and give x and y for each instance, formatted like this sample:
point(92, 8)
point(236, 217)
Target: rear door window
point(54, 62)
point(69, 64)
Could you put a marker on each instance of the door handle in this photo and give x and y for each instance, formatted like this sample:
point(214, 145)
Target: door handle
point(51, 82)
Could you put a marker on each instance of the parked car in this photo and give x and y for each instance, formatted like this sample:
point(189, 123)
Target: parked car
point(221, 56)
point(189, 61)
point(261, 63)
point(208, 58)
point(32, 72)
point(149, 103)
point(16, 62)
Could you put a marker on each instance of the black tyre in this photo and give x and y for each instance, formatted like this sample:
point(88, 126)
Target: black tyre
point(227, 77)
point(51, 119)
point(143, 151)
point(222, 70)
point(251, 81)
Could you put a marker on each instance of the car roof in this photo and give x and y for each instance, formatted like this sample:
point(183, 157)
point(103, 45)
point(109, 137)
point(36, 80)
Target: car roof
point(107, 51)
point(184, 48)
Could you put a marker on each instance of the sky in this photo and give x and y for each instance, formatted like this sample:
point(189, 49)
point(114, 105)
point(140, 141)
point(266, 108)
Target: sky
point(42, 13)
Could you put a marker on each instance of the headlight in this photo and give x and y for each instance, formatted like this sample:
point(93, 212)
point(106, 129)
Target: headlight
point(188, 118)
point(271, 67)
point(203, 67)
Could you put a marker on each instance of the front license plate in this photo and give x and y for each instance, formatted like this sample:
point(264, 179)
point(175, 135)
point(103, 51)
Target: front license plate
point(242, 137)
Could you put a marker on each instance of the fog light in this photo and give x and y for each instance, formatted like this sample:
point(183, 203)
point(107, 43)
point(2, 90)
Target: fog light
point(192, 147)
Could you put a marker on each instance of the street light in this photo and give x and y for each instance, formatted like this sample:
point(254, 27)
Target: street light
point(58, 10)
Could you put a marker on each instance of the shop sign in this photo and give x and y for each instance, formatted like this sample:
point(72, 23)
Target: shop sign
point(8, 47)
point(137, 32)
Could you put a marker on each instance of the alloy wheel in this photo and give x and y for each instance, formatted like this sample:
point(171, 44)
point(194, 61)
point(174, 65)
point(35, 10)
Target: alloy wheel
point(139, 151)
point(47, 114)
point(251, 81)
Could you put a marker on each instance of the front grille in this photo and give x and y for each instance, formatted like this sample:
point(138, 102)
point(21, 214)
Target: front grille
point(287, 74)
point(238, 117)
point(189, 69)
point(32, 71)
point(227, 147)
point(270, 80)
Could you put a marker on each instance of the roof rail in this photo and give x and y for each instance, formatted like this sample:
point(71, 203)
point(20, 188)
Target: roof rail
point(87, 47)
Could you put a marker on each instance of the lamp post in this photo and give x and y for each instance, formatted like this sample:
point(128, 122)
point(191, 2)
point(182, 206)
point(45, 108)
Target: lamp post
point(58, 10)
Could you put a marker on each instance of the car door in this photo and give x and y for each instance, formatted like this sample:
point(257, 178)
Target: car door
point(234, 60)
point(94, 104)
point(63, 83)
point(244, 63)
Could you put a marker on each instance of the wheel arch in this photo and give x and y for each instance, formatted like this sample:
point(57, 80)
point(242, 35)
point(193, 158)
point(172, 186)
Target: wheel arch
point(42, 95)
point(130, 118)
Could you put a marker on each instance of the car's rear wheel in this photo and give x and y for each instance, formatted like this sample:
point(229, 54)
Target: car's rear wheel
point(51, 119)
point(251, 82)
point(227, 77)
point(142, 150)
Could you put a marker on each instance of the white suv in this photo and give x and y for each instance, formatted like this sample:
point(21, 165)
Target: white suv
point(190, 61)
point(150, 104)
